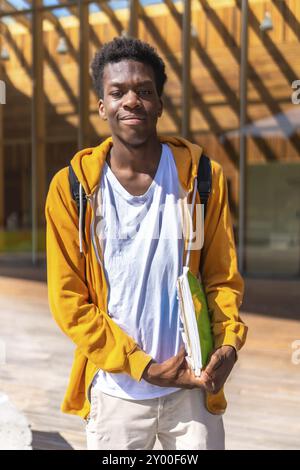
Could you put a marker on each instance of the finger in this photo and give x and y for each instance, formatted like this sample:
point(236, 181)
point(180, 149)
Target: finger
point(208, 381)
point(213, 389)
point(184, 364)
point(181, 354)
point(177, 358)
point(216, 380)
point(211, 386)
point(205, 377)
point(214, 363)
point(178, 361)
point(199, 382)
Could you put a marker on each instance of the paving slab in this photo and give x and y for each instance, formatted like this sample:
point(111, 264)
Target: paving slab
point(263, 391)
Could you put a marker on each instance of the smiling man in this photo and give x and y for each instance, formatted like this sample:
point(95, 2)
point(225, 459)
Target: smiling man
point(112, 281)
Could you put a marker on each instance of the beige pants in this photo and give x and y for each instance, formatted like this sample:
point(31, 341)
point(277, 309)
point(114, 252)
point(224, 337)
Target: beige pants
point(180, 421)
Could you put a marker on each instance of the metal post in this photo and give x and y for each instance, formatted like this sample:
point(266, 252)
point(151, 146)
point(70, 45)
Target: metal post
point(2, 180)
point(38, 164)
point(2, 194)
point(186, 69)
point(84, 78)
point(133, 28)
point(243, 138)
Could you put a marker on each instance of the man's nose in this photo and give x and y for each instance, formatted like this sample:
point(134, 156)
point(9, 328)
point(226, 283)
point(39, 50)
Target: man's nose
point(131, 100)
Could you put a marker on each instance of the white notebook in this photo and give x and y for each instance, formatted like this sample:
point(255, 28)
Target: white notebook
point(190, 334)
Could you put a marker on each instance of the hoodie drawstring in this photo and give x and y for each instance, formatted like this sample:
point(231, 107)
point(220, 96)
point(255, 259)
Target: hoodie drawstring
point(80, 218)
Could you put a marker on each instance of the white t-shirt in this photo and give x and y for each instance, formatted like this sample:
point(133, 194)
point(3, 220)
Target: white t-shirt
point(142, 245)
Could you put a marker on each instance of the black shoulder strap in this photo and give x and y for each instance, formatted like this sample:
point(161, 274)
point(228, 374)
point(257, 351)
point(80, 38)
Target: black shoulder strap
point(204, 180)
point(74, 186)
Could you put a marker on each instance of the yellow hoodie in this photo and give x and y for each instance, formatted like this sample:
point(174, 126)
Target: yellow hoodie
point(77, 288)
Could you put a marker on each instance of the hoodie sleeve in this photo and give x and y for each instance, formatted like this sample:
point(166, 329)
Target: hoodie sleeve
point(98, 337)
point(224, 285)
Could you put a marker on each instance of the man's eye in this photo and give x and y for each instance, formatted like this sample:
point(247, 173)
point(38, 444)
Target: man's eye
point(116, 94)
point(144, 92)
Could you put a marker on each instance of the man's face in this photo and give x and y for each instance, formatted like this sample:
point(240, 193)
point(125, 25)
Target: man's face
point(130, 101)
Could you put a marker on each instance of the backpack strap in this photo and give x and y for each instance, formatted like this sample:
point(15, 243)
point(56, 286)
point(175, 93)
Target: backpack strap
point(74, 186)
point(204, 188)
point(204, 180)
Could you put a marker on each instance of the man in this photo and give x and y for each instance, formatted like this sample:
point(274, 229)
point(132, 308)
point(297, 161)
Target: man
point(112, 289)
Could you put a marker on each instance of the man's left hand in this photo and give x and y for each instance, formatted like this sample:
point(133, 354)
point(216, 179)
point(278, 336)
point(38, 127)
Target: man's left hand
point(218, 369)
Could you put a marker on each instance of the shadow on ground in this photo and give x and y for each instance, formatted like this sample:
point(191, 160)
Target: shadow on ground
point(272, 297)
point(21, 267)
point(49, 441)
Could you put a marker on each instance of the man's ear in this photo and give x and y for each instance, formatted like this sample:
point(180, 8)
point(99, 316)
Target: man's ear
point(161, 107)
point(102, 112)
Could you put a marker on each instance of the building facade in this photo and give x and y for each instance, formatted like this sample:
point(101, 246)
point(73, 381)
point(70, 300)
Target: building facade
point(51, 108)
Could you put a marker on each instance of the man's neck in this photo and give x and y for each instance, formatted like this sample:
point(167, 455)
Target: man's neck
point(141, 159)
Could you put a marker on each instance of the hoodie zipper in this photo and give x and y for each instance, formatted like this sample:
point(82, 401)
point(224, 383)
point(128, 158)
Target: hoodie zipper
point(92, 231)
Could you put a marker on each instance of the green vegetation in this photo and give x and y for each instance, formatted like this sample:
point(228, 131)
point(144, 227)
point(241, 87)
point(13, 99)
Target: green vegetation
point(20, 241)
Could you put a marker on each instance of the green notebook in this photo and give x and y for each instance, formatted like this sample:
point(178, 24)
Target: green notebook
point(194, 314)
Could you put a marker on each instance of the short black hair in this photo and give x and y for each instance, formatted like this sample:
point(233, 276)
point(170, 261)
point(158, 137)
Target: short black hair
point(125, 48)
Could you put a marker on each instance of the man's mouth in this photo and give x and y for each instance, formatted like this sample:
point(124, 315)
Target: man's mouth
point(132, 120)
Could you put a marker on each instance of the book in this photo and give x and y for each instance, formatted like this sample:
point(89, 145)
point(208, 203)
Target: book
point(190, 334)
point(196, 328)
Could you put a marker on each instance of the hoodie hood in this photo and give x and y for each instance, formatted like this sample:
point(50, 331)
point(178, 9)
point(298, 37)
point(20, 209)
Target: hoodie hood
point(88, 163)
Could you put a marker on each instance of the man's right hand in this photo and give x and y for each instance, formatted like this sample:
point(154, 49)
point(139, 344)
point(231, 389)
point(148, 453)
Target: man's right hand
point(174, 372)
